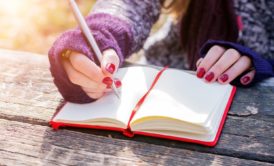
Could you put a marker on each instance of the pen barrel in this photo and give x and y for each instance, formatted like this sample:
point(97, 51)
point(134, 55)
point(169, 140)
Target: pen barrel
point(88, 34)
point(86, 30)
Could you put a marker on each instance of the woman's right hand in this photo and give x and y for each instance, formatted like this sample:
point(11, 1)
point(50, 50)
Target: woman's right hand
point(94, 80)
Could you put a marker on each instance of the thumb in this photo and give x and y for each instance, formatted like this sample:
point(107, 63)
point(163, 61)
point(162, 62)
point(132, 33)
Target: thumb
point(110, 62)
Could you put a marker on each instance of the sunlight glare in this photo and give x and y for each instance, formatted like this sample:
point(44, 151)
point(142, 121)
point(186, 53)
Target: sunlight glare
point(12, 7)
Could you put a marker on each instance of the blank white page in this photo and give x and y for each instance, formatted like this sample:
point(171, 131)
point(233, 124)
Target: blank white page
point(135, 82)
point(183, 96)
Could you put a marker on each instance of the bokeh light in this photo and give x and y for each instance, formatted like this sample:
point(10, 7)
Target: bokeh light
point(33, 25)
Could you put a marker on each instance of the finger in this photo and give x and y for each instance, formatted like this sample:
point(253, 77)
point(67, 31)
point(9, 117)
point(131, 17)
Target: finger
point(227, 59)
point(95, 95)
point(95, 90)
point(87, 67)
point(117, 82)
point(243, 64)
point(110, 62)
point(198, 62)
point(247, 78)
point(209, 60)
point(79, 79)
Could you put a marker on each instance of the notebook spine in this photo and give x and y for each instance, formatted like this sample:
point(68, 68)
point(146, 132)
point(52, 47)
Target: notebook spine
point(128, 133)
point(55, 125)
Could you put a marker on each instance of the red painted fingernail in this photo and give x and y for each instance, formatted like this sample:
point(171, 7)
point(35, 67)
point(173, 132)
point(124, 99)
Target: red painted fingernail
point(224, 77)
point(110, 67)
point(209, 76)
point(118, 83)
point(246, 79)
point(107, 81)
point(201, 72)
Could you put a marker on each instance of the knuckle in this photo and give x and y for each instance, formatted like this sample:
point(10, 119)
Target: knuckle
point(91, 95)
point(217, 68)
point(96, 88)
point(233, 52)
point(246, 59)
point(110, 53)
point(73, 78)
point(217, 48)
point(88, 90)
point(101, 87)
point(95, 95)
point(209, 59)
point(76, 60)
point(199, 62)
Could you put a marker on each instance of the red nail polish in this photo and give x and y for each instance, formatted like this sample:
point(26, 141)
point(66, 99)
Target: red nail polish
point(224, 77)
point(110, 67)
point(201, 73)
point(246, 79)
point(118, 83)
point(209, 76)
point(107, 81)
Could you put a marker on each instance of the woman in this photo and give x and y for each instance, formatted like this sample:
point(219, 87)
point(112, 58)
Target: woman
point(207, 28)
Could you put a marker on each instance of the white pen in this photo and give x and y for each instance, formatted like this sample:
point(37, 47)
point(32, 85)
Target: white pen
point(88, 34)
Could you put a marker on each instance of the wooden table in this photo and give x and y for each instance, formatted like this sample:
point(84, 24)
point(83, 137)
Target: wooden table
point(28, 100)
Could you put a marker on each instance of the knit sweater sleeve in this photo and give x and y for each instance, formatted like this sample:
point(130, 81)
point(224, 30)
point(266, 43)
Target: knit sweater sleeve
point(122, 25)
point(139, 15)
point(263, 68)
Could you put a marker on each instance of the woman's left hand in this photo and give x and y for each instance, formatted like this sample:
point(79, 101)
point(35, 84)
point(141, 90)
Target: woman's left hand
point(224, 65)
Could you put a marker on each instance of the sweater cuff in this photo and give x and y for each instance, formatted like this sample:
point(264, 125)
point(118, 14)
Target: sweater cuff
point(70, 40)
point(107, 36)
point(111, 32)
point(262, 67)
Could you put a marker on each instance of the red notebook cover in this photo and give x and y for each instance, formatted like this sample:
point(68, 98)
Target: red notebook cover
point(127, 132)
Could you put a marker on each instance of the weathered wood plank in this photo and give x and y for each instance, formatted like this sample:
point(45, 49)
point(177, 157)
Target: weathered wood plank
point(242, 137)
point(27, 144)
point(257, 101)
point(248, 145)
point(28, 95)
point(26, 86)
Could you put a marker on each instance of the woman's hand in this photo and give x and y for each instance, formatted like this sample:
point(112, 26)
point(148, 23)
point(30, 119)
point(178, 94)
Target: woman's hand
point(224, 65)
point(94, 80)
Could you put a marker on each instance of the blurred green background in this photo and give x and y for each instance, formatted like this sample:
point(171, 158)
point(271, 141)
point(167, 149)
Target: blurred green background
point(33, 25)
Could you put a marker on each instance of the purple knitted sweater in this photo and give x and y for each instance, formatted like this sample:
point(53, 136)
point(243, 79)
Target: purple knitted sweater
point(123, 25)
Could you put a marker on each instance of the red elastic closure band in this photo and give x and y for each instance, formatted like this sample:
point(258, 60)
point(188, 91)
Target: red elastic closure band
point(55, 125)
point(128, 131)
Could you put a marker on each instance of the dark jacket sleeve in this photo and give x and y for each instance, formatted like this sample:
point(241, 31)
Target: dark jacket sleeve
point(263, 67)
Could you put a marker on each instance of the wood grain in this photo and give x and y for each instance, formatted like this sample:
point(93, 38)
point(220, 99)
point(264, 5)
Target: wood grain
point(23, 143)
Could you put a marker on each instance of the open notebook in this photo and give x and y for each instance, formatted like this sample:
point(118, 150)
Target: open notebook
point(179, 106)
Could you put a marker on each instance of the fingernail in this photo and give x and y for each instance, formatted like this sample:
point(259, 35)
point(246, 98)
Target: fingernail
point(209, 76)
point(110, 67)
point(118, 83)
point(201, 72)
point(224, 77)
point(107, 81)
point(246, 79)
